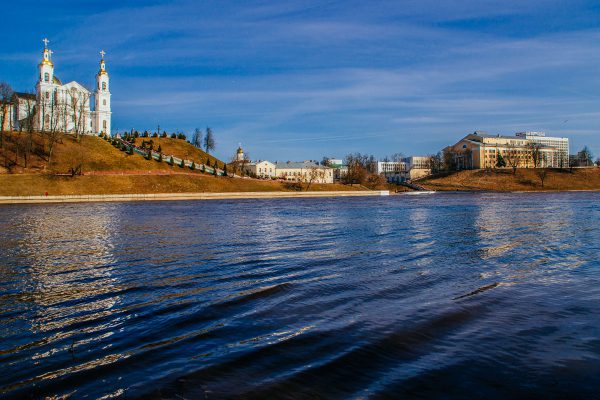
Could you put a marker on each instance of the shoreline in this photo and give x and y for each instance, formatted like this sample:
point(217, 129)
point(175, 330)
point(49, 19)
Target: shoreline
point(99, 198)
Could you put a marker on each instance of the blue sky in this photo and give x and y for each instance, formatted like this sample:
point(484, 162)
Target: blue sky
point(294, 80)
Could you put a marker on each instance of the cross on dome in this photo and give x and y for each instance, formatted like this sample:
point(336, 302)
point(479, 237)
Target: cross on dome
point(45, 43)
point(102, 53)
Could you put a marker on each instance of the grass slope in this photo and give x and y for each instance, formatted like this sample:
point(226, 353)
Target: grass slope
point(523, 180)
point(181, 149)
point(38, 184)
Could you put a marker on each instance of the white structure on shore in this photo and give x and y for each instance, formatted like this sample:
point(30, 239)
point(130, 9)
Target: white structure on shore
point(63, 107)
point(291, 171)
point(261, 169)
point(408, 168)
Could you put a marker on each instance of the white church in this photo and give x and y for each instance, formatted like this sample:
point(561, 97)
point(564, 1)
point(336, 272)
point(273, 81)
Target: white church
point(63, 107)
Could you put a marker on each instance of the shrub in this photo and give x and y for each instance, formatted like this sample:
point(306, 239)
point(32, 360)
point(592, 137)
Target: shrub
point(181, 164)
point(225, 170)
point(164, 135)
point(192, 166)
point(145, 134)
point(159, 159)
point(215, 171)
point(202, 168)
point(173, 136)
point(171, 162)
point(159, 149)
point(149, 155)
point(130, 150)
point(155, 135)
point(136, 134)
point(181, 136)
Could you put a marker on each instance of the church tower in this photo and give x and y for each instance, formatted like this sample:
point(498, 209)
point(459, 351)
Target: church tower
point(102, 114)
point(45, 87)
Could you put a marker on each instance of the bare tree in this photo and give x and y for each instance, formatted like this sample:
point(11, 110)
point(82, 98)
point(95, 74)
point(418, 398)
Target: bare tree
point(78, 107)
point(357, 171)
point(314, 174)
point(534, 152)
point(434, 163)
point(397, 157)
point(52, 113)
point(197, 137)
point(209, 140)
point(6, 94)
point(511, 156)
point(542, 173)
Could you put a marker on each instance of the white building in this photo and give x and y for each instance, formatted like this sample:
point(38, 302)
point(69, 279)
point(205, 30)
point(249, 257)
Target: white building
point(304, 171)
point(63, 107)
point(408, 168)
point(261, 169)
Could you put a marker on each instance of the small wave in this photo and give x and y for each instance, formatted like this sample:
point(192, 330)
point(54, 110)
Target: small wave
point(477, 291)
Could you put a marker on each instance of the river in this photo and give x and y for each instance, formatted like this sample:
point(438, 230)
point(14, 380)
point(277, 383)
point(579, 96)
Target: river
point(452, 295)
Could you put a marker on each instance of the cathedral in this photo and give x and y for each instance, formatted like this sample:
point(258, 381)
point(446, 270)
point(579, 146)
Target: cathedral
point(63, 107)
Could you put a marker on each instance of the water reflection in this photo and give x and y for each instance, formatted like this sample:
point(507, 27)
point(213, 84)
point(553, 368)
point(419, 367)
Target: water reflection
point(334, 298)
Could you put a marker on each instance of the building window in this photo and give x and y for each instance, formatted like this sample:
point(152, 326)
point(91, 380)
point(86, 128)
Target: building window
point(48, 95)
point(46, 77)
point(104, 102)
point(103, 85)
point(104, 124)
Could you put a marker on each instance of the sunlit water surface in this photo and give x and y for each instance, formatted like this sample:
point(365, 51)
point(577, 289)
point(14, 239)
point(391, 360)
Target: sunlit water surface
point(445, 295)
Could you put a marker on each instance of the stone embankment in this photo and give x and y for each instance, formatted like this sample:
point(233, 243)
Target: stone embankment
point(180, 196)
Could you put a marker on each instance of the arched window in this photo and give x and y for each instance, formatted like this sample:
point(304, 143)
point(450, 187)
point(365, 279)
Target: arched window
point(104, 124)
point(104, 102)
point(46, 119)
point(103, 85)
point(46, 77)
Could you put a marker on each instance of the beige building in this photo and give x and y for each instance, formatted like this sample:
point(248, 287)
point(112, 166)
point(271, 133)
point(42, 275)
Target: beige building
point(304, 171)
point(261, 169)
point(480, 150)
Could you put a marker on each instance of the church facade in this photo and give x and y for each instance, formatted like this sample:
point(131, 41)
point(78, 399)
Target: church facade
point(70, 107)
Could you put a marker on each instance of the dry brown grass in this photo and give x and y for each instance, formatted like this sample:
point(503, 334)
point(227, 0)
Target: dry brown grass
point(97, 155)
point(523, 180)
point(38, 184)
point(181, 149)
point(93, 153)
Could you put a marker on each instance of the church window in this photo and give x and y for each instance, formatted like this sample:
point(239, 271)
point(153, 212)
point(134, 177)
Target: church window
point(46, 118)
point(104, 124)
point(103, 85)
point(46, 77)
point(104, 102)
point(48, 95)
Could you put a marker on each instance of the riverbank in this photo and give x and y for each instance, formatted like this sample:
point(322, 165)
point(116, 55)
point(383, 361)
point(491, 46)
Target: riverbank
point(524, 180)
point(40, 184)
point(182, 196)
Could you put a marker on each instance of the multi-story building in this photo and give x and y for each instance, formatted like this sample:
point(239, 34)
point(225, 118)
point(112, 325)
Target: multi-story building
point(408, 168)
point(481, 150)
point(261, 169)
point(303, 171)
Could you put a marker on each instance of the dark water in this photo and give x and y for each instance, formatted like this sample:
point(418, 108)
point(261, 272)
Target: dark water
point(431, 296)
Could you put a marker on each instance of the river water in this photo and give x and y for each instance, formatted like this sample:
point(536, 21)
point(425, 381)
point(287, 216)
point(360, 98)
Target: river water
point(409, 296)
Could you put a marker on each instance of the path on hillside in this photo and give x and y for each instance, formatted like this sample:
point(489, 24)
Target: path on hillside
point(176, 161)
